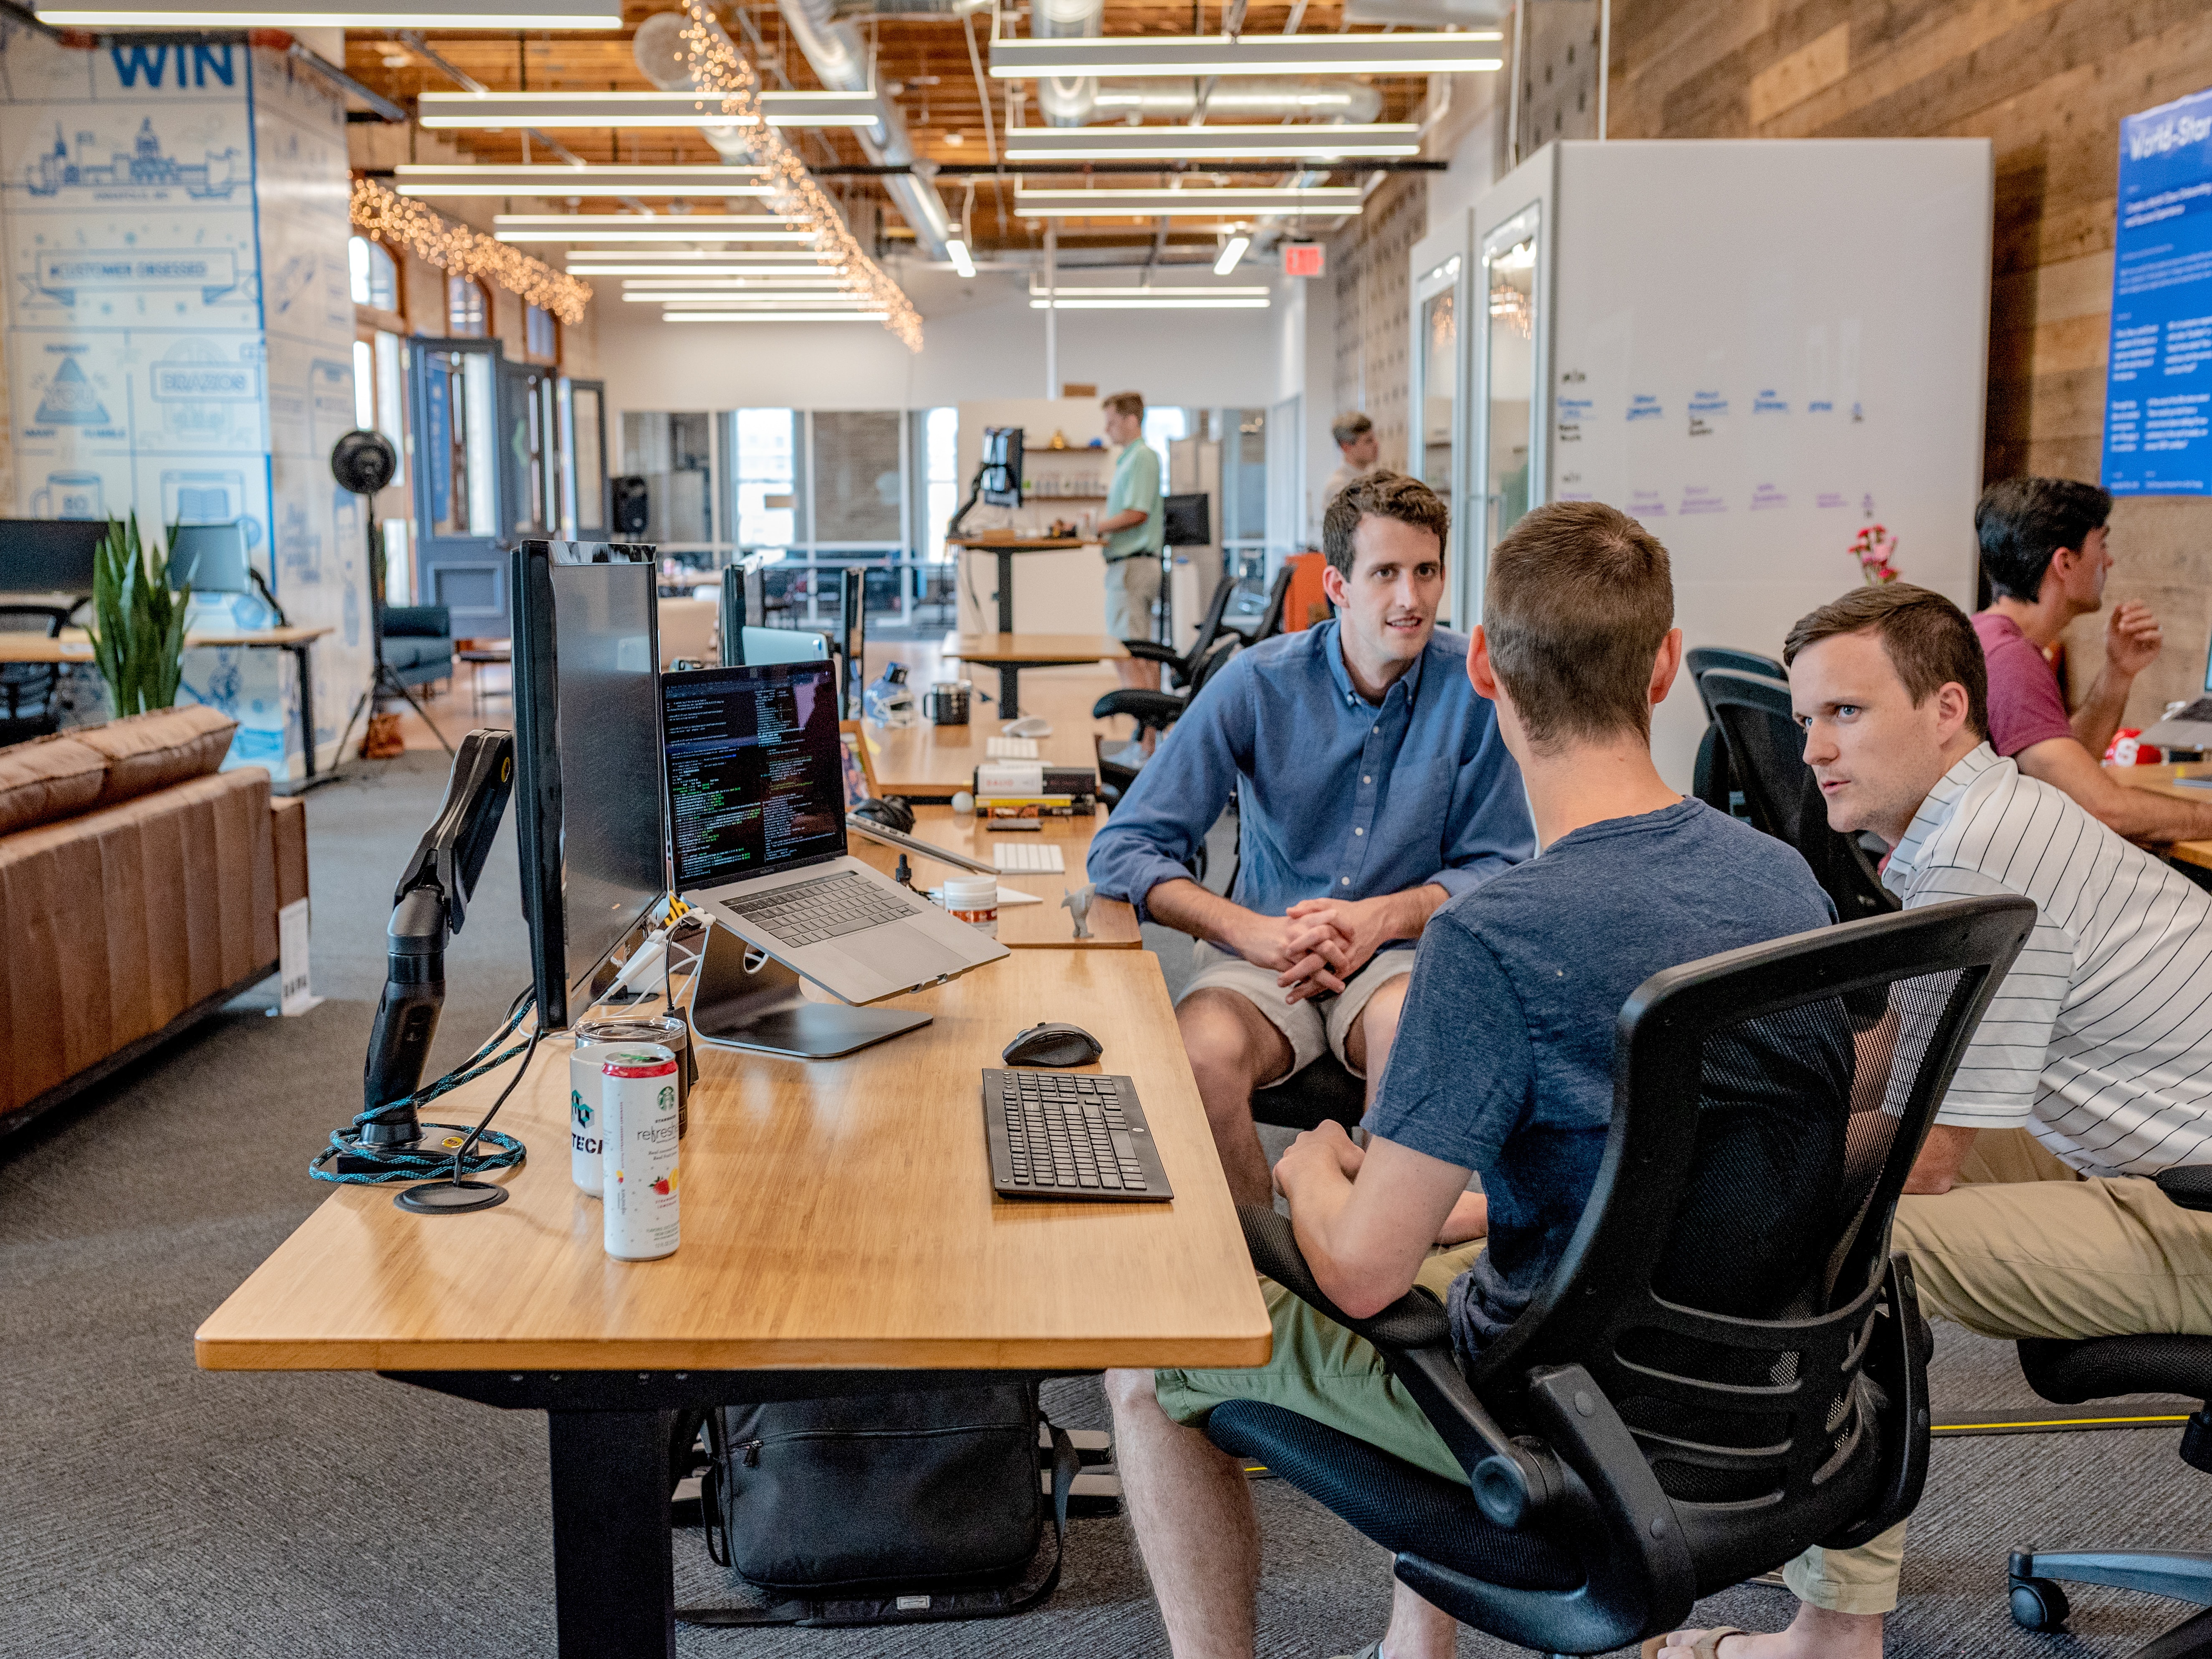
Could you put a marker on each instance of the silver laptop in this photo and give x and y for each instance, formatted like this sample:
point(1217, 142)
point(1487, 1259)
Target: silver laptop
point(757, 823)
point(2190, 727)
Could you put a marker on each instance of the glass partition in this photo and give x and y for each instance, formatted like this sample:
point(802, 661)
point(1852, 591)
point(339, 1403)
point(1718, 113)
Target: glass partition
point(1439, 376)
point(461, 443)
point(1509, 282)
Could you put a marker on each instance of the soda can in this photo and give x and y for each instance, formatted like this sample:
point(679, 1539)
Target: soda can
point(638, 1150)
point(668, 1031)
point(585, 1160)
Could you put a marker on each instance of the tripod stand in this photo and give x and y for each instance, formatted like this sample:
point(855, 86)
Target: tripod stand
point(383, 680)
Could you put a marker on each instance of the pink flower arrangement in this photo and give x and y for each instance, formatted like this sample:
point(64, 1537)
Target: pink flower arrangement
point(1874, 548)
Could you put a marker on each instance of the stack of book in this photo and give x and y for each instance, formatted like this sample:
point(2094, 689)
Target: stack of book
point(1032, 789)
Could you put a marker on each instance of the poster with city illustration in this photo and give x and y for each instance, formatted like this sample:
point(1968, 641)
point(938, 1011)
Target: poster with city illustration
point(172, 232)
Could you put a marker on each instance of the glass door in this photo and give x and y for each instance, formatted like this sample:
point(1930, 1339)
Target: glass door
point(1431, 444)
point(530, 451)
point(1509, 457)
point(584, 460)
point(459, 562)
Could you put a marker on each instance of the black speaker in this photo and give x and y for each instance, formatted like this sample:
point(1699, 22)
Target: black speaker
point(633, 509)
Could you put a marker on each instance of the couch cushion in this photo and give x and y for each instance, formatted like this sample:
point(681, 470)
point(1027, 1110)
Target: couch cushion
point(404, 654)
point(47, 779)
point(146, 752)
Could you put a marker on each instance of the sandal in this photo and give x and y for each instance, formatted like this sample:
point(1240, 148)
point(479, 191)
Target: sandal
point(1707, 1646)
point(1372, 1650)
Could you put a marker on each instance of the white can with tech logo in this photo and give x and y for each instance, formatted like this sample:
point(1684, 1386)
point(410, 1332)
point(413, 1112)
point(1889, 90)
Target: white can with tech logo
point(640, 1151)
point(587, 1165)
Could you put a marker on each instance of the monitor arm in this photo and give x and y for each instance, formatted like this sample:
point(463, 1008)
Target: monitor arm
point(429, 905)
point(975, 492)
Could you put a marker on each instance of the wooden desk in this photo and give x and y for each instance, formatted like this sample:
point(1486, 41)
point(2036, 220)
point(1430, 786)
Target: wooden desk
point(1012, 653)
point(1005, 548)
point(839, 1233)
point(75, 645)
point(934, 762)
point(1113, 922)
point(2161, 781)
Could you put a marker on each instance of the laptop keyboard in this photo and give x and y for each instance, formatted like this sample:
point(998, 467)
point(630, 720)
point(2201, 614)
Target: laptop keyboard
point(1060, 1134)
point(808, 912)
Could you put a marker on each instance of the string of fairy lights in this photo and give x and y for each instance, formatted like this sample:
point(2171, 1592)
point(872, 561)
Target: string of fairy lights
point(397, 221)
point(718, 71)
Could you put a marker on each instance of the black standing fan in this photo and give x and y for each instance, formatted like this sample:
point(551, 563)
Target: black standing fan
point(364, 462)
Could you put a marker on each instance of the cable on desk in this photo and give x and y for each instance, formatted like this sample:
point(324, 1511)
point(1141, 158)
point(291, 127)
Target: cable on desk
point(421, 1162)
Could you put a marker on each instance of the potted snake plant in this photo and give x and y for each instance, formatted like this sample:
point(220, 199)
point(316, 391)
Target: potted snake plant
point(138, 622)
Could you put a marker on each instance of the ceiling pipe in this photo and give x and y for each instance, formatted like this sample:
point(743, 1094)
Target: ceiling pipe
point(1066, 101)
point(840, 62)
point(1312, 97)
point(658, 50)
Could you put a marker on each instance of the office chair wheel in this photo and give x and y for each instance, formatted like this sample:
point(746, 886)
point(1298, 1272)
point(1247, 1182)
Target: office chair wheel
point(2038, 1604)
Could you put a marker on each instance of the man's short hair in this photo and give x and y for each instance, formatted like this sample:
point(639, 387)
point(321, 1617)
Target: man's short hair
point(1580, 599)
point(1927, 638)
point(1381, 494)
point(2022, 522)
point(1126, 403)
point(1350, 427)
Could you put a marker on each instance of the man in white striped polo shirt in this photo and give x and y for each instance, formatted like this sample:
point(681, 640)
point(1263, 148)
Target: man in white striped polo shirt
point(2098, 1043)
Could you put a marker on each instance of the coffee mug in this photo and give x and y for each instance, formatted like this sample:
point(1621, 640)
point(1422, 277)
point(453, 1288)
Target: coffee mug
point(946, 702)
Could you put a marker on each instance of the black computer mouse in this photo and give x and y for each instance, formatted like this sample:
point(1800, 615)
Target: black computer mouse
point(1052, 1044)
point(891, 811)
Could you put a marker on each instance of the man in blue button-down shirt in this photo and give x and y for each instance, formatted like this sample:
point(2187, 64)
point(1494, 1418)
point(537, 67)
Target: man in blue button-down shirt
point(1372, 786)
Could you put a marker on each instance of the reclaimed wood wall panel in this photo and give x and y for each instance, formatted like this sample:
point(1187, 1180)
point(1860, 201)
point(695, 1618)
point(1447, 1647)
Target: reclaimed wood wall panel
point(2047, 81)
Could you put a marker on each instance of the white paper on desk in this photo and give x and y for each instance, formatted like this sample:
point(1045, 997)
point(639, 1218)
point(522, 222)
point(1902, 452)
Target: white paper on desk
point(1006, 895)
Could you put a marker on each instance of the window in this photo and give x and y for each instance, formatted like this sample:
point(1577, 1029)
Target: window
point(541, 335)
point(1162, 428)
point(859, 483)
point(460, 444)
point(941, 472)
point(379, 392)
point(766, 453)
point(674, 453)
point(375, 276)
point(468, 309)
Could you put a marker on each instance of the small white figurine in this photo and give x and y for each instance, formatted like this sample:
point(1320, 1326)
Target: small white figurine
point(1078, 902)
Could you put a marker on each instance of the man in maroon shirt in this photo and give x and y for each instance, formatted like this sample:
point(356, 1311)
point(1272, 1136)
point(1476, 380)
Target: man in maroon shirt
point(2044, 546)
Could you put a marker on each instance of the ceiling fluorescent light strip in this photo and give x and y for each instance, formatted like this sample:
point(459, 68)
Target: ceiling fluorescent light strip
point(642, 221)
point(1186, 292)
point(797, 273)
point(361, 15)
point(770, 298)
point(1324, 202)
point(773, 316)
point(1121, 56)
point(1179, 143)
point(411, 178)
point(1063, 304)
point(636, 111)
point(656, 235)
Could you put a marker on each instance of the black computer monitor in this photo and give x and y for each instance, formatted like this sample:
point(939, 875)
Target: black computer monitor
point(48, 555)
point(1187, 520)
point(211, 558)
point(589, 810)
point(1002, 466)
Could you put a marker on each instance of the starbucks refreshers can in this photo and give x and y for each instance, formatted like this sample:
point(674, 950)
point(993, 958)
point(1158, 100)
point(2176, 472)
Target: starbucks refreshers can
point(637, 1115)
point(584, 1121)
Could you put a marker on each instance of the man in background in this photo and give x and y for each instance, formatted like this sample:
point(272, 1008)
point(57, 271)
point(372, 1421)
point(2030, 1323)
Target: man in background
point(1372, 786)
point(1133, 530)
point(2044, 546)
point(1357, 442)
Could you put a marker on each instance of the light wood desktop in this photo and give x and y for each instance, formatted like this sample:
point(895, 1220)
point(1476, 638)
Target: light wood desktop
point(1012, 653)
point(2162, 781)
point(1113, 922)
point(934, 762)
point(839, 1230)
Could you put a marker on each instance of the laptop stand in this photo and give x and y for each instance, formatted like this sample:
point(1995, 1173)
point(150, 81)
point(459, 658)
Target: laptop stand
point(743, 997)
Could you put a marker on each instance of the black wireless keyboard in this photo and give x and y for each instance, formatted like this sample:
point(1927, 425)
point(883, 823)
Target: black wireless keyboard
point(1070, 1135)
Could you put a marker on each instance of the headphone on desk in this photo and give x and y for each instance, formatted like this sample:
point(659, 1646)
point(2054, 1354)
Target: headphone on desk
point(892, 812)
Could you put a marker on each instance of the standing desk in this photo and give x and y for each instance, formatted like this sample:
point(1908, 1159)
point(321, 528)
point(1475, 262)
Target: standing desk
point(840, 1236)
point(1006, 547)
point(76, 646)
point(1009, 653)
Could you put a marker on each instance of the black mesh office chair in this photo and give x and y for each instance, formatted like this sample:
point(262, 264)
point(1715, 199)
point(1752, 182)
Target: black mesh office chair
point(2068, 1373)
point(30, 692)
point(1155, 711)
point(1279, 598)
point(1713, 783)
point(1765, 750)
point(1181, 666)
point(1627, 1450)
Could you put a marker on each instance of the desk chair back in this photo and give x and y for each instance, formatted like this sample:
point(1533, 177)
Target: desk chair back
point(1183, 665)
point(1714, 783)
point(1726, 1365)
point(1155, 711)
point(1765, 750)
point(1702, 660)
point(1279, 592)
point(29, 690)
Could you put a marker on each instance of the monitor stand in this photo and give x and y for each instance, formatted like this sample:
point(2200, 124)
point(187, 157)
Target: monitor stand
point(761, 1009)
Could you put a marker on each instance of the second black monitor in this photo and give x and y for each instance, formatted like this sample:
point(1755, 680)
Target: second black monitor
point(48, 555)
point(1002, 466)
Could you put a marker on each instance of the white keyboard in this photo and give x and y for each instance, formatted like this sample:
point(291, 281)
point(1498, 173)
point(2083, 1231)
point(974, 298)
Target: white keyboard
point(1010, 749)
point(1028, 858)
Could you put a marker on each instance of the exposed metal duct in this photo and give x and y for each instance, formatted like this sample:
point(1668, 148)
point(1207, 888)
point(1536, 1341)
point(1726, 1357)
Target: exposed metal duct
point(1066, 101)
point(841, 64)
point(1234, 100)
point(840, 10)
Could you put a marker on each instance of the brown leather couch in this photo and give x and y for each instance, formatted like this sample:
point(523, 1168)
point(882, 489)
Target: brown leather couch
point(139, 889)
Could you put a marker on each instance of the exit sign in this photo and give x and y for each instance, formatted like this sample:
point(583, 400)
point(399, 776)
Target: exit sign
point(1302, 260)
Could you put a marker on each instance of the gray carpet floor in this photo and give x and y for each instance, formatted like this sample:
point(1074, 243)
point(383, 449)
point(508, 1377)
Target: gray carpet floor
point(147, 1507)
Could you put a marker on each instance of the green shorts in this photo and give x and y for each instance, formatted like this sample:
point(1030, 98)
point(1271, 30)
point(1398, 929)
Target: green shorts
point(1322, 1370)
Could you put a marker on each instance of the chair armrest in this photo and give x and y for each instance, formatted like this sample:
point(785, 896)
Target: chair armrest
point(419, 621)
point(1897, 1364)
point(2188, 1185)
point(1147, 651)
point(1158, 709)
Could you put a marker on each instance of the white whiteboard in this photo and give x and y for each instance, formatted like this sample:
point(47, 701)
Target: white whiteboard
point(1756, 348)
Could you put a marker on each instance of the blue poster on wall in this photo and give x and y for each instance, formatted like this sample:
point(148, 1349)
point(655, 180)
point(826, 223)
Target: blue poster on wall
point(2158, 389)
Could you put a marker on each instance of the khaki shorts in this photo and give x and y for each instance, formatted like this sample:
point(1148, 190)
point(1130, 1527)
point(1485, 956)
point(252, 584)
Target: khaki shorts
point(1322, 1370)
point(1133, 585)
point(1309, 1026)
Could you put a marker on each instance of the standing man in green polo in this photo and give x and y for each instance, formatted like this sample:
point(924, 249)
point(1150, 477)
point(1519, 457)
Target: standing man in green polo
point(1133, 530)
